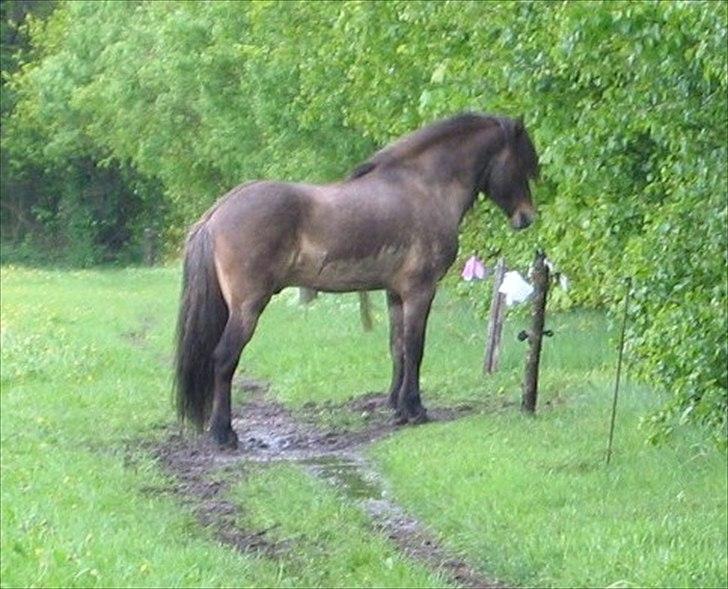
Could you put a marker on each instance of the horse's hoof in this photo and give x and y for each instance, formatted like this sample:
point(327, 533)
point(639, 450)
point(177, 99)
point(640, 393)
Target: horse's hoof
point(419, 418)
point(228, 440)
point(399, 418)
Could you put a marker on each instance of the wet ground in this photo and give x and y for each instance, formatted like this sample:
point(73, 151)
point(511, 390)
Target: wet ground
point(269, 433)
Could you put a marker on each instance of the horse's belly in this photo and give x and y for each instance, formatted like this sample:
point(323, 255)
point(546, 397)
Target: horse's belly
point(314, 269)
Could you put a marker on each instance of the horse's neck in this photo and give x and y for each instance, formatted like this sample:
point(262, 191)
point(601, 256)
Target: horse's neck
point(457, 188)
point(456, 198)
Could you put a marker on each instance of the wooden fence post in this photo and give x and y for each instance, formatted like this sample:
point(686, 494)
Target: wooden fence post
point(150, 246)
point(495, 321)
point(306, 295)
point(535, 335)
point(365, 310)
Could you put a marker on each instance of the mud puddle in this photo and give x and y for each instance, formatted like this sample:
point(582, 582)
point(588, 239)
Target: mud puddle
point(197, 483)
point(268, 433)
point(347, 474)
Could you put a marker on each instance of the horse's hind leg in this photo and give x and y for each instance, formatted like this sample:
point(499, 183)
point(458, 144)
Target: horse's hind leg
point(238, 331)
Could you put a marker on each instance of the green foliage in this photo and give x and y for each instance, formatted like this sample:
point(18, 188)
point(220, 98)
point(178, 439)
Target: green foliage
point(61, 200)
point(625, 101)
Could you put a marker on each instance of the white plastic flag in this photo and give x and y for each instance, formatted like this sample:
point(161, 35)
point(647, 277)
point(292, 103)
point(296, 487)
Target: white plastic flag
point(515, 288)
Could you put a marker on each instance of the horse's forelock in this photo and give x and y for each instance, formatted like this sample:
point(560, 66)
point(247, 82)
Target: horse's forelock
point(527, 155)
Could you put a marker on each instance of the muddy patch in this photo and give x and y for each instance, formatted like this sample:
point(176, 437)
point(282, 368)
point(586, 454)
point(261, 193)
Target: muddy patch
point(352, 475)
point(416, 542)
point(268, 432)
point(196, 468)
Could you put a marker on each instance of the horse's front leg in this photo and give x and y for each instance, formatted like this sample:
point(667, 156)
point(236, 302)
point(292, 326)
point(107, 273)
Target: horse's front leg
point(416, 308)
point(396, 345)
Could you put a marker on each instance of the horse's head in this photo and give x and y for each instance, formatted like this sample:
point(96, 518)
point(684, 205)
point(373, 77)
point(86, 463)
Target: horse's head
point(506, 178)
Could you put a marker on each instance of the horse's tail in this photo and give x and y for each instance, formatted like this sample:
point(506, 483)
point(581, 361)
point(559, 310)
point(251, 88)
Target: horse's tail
point(202, 317)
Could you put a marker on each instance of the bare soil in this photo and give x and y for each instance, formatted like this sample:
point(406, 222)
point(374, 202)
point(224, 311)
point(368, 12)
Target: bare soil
point(269, 432)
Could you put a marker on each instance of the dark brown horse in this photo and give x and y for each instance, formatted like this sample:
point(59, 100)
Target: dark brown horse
point(393, 225)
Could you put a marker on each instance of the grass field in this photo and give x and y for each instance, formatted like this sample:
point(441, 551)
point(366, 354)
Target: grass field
point(85, 379)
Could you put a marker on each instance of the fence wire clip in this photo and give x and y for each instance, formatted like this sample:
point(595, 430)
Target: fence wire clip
point(523, 335)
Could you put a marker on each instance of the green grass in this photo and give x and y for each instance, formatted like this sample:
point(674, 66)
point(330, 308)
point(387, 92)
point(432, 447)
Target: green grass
point(76, 391)
point(85, 375)
point(320, 352)
point(75, 518)
point(332, 541)
point(532, 500)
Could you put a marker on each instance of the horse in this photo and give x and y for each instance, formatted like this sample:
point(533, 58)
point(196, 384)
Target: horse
point(391, 225)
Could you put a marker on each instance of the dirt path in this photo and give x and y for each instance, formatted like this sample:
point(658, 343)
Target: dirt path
point(270, 433)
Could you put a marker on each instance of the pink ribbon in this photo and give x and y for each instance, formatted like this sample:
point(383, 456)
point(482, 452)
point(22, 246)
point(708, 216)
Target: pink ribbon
point(474, 269)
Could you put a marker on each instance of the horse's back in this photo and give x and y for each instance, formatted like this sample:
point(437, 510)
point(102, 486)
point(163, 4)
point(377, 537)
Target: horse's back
point(256, 203)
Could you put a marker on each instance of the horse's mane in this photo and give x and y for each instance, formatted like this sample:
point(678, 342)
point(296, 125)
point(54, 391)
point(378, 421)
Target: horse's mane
point(418, 141)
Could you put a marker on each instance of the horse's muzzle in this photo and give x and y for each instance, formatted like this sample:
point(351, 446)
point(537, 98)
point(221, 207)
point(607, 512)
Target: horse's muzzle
point(522, 218)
